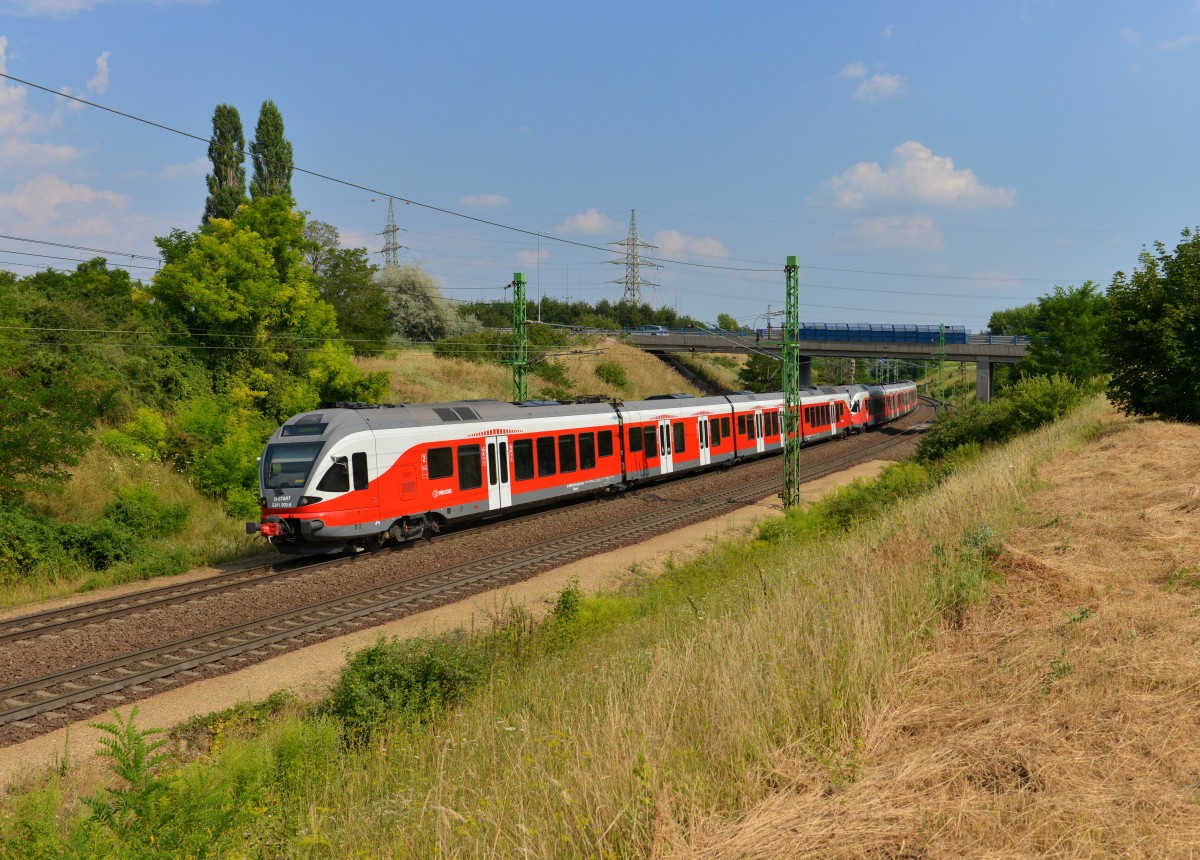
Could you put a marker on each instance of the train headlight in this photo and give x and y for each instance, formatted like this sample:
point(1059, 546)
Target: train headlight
point(308, 500)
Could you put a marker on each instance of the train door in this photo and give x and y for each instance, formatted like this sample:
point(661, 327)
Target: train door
point(759, 442)
point(702, 433)
point(499, 486)
point(666, 461)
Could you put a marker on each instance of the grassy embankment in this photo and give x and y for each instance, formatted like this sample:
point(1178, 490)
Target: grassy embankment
point(418, 376)
point(116, 554)
point(633, 719)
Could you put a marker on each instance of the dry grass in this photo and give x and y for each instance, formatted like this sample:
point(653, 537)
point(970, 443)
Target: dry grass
point(720, 370)
point(418, 376)
point(1061, 718)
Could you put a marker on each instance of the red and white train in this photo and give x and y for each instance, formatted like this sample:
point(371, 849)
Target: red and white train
point(353, 475)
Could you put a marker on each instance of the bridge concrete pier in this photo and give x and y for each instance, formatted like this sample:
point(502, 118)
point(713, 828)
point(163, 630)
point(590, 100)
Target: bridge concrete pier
point(805, 371)
point(984, 375)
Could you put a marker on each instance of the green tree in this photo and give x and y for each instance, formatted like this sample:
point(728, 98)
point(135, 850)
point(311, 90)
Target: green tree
point(322, 238)
point(1152, 333)
point(226, 151)
point(242, 294)
point(1012, 321)
point(419, 312)
point(726, 322)
point(347, 281)
point(271, 154)
point(1066, 334)
point(761, 373)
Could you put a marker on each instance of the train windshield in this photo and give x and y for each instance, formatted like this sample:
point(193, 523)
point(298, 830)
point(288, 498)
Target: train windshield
point(287, 465)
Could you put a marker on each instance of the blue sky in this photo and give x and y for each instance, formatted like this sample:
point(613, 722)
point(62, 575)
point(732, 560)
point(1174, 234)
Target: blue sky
point(927, 162)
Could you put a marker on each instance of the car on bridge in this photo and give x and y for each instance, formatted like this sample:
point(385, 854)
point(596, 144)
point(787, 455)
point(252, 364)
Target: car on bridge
point(651, 330)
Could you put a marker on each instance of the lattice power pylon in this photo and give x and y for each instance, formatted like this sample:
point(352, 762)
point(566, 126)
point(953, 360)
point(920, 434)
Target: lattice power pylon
point(634, 263)
point(391, 240)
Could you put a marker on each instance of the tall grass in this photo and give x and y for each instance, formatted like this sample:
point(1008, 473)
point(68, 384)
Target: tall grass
point(638, 716)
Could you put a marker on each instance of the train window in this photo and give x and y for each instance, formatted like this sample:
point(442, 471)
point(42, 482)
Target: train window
point(650, 437)
point(679, 441)
point(470, 467)
point(587, 450)
point(492, 463)
point(725, 425)
point(523, 459)
point(566, 453)
point(604, 443)
point(545, 456)
point(441, 463)
point(741, 425)
point(703, 425)
point(337, 479)
point(750, 427)
point(714, 432)
point(361, 479)
point(664, 438)
point(635, 439)
point(774, 418)
point(503, 462)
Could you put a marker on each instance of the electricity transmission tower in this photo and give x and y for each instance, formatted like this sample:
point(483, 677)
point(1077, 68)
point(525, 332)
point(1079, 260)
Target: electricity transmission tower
point(391, 242)
point(633, 263)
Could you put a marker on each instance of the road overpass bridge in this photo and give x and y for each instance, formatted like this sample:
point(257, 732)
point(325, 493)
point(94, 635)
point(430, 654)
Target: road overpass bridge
point(984, 350)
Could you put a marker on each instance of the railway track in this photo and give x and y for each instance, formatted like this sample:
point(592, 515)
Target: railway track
point(61, 696)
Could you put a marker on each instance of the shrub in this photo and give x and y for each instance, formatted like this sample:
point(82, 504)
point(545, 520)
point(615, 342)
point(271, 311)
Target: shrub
point(613, 374)
point(29, 545)
point(1032, 402)
point(140, 510)
point(410, 680)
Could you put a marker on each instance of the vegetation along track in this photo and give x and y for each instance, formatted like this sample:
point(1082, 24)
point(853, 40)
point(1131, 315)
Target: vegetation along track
point(40, 704)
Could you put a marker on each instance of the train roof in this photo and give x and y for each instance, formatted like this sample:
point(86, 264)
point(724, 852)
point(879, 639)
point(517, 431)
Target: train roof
point(351, 417)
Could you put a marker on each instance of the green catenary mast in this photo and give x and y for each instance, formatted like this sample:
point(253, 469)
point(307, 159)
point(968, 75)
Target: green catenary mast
point(791, 389)
point(520, 333)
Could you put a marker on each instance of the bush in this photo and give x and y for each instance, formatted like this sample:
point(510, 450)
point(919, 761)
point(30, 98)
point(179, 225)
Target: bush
point(613, 374)
point(1032, 402)
point(140, 510)
point(409, 680)
point(30, 545)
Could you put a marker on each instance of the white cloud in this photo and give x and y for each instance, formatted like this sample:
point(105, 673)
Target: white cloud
point(531, 258)
point(853, 71)
point(915, 175)
point(590, 223)
point(886, 33)
point(187, 170)
point(1181, 42)
point(1131, 36)
point(47, 200)
point(890, 232)
point(674, 243)
point(20, 126)
point(483, 201)
point(28, 154)
point(98, 83)
point(880, 86)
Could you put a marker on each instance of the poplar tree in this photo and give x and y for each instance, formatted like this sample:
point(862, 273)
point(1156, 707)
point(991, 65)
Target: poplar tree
point(227, 182)
point(271, 153)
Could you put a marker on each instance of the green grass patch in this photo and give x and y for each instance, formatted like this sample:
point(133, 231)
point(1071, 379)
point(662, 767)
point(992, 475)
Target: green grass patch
point(664, 703)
